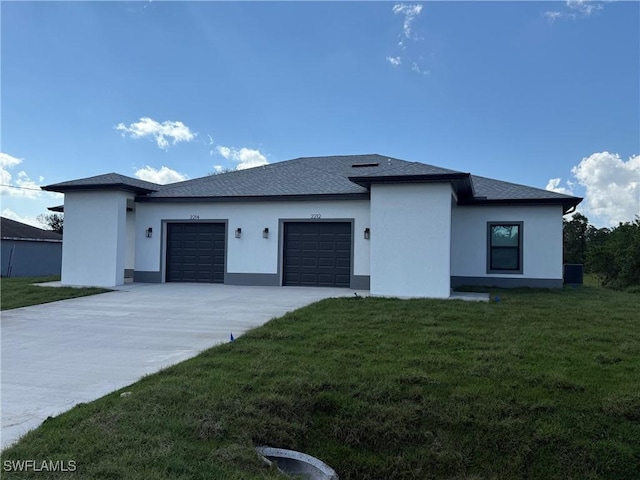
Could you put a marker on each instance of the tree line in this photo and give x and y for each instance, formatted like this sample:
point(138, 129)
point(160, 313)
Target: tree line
point(612, 254)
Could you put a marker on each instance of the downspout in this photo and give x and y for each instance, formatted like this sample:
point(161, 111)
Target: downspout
point(10, 266)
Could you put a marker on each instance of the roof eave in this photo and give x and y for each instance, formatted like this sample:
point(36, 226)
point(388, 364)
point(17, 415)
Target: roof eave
point(460, 181)
point(567, 203)
point(106, 186)
point(366, 181)
point(29, 239)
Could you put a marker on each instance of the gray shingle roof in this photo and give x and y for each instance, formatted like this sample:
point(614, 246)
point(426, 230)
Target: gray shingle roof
point(111, 180)
point(491, 189)
point(12, 229)
point(301, 176)
point(348, 176)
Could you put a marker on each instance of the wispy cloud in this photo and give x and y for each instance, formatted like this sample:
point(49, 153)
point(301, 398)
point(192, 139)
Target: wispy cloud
point(406, 38)
point(612, 187)
point(410, 13)
point(553, 185)
point(245, 157)
point(415, 67)
point(33, 221)
point(395, 61)
point(160, 132)
point(162, 176)
point(19, 184)
point(574, 9)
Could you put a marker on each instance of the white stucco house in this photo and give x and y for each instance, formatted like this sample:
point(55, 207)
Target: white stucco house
point(394, 227)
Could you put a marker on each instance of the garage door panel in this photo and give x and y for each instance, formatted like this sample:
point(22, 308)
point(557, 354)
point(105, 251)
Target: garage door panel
point(326, 246)
point(309, 262)
point(344, 263)
point(326, 262)
point(317, 253)
point(196, 252)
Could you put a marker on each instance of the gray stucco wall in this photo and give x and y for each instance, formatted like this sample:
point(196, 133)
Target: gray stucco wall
point(22, 258)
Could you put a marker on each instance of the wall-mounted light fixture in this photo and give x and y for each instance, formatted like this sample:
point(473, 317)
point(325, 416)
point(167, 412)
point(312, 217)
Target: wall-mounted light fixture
point(265, 232)
point(149, 232)
point(367, 233)
point(238, 232)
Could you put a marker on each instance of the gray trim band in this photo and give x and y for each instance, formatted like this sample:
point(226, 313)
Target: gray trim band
point(23, 239)
point(147, 277)
point(128, 272)
point(360, 282)
point(252, 279)
point(503, 282)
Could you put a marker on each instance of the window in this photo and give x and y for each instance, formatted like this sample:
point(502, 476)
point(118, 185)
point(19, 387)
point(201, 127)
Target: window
point(504, 247)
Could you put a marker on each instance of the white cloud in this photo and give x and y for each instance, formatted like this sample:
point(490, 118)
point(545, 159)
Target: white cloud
point(553, 16)
point(218, 168)
point(410, 12)
point(246, 157)
point(163, 176)
point(161, 132)
point(395, 61)
point(416, 68)
point(612, 187)
point(407, 38)
point(574, 9)
point(584, 7)
point(22, 185)
point(34, 222)
point(554, 186)
point(224, 151)
point(7, 160)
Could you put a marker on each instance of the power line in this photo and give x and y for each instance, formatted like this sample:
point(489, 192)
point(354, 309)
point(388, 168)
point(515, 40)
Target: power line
point(20, 188)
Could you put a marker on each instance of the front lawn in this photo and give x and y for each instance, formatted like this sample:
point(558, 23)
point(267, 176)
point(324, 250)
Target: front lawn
point(540, 385)
point(21, 292)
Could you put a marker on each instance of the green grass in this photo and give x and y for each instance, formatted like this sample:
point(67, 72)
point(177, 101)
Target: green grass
point(540, 385)
point(20, 292)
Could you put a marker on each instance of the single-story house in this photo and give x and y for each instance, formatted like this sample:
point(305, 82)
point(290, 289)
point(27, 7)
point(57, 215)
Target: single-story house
point(29, 251)
point(391, 226)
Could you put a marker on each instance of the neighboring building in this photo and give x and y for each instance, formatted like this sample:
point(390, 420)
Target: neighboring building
point(29, 251)
point(372, 222)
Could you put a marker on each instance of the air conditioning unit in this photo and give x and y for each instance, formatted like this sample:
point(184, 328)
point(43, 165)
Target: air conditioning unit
point(573, 273)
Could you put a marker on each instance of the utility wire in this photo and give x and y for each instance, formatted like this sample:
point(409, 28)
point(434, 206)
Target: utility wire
point(20, 188)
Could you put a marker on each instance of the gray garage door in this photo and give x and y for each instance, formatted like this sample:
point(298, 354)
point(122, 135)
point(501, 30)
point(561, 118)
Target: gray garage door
point(317, 254)
point(195, 252)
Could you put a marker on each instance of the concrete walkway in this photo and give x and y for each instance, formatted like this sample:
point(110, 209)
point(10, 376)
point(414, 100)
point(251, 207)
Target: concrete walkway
point(59, 354)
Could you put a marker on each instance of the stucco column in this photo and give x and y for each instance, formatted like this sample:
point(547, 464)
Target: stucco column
point(411, 239)
point(95, 238)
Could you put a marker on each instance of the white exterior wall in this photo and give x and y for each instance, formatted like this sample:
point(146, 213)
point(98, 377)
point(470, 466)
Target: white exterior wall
point(410, 240)
point(251, 253)
point(94, 247)
point(541, 242)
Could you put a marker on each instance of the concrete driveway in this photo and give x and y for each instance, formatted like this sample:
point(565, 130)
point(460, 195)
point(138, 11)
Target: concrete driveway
point(59, 354)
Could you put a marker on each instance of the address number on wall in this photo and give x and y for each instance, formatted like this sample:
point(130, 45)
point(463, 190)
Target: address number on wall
point(194, 217)
point(316, 215)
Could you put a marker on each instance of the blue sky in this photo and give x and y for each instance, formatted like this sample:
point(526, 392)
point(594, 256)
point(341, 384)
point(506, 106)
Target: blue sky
point(545, 94)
